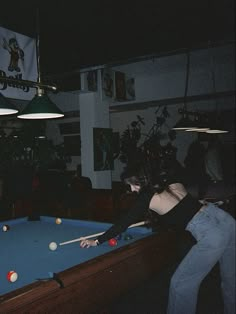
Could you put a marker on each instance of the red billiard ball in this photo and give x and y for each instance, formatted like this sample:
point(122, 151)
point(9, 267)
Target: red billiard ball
point(12, 276)
point(5, 228)
point(112, 242)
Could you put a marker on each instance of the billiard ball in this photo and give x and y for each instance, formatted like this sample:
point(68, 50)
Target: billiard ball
point(5, 228)
point(52, 246)
point(128, 237)
point(58, 221)
point(112, 242)
point(12, 276)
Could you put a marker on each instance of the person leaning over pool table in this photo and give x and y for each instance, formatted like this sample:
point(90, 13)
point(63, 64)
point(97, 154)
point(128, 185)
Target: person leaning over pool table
point(212, 228)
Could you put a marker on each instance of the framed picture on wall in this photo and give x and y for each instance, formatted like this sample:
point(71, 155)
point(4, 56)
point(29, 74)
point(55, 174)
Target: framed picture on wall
point(92, 81)
point(120, 86)
point(115, 144)
point(107, 83)
point(103, 153)
point(130, 89)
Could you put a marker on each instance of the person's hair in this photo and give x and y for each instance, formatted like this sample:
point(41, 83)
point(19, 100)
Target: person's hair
point(135, 175)
point(154, 176)
point(146, 176)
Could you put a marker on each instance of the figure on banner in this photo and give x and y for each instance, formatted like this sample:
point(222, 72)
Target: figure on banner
point(103, 149)
point(16, 53)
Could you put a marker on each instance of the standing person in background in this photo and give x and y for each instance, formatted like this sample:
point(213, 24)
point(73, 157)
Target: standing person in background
point(79, 195)
point(195, 168)
point(217, 188)
point(212, 229)
point(213, 162)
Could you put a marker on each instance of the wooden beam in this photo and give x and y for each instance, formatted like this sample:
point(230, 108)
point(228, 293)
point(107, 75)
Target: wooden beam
point(169, 101)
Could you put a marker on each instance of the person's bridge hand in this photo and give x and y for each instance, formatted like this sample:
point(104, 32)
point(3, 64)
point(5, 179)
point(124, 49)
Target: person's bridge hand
point(87, 243)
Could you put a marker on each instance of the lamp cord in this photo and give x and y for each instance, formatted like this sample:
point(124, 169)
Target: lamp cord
point(212, 69)
point(37, 45)
point(187, 80)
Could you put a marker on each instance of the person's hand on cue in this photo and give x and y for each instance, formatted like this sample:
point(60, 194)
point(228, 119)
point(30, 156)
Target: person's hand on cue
point(86, 243)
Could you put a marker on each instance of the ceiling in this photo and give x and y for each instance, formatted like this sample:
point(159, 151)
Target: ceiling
point(79, 34)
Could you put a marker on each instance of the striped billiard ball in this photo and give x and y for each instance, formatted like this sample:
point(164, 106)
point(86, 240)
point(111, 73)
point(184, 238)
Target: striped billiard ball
point(12, 276)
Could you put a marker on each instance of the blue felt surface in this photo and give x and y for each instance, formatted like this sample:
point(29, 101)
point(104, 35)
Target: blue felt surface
point(24, 248)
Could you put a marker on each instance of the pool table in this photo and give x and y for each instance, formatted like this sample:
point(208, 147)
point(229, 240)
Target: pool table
point(71, 279)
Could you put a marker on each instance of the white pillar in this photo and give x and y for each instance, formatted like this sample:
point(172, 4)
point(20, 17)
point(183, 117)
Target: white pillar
point(94, 113)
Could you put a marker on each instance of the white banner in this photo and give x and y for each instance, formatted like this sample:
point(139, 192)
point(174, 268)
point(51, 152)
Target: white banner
point(17, 60)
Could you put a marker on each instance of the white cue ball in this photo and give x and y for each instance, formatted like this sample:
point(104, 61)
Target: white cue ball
point(58, 221)
point(52, 246)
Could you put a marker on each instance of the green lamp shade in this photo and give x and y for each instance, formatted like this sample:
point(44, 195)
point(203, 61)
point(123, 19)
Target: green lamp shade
point(200, 125)
point(41, 107)
point(6, 107)
point(216, 131)
point(184, 124)
point(197, 130)
point(217, 126)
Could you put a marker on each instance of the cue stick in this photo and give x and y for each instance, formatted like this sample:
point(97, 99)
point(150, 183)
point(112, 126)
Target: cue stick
point(141, 223)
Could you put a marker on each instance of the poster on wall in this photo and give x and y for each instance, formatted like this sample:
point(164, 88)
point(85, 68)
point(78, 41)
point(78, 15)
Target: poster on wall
point(120, 86)
point(115, 144)
point(102, 147)
point(107, 83)
point(130, 88)
point(18, 61)
point(92, 81)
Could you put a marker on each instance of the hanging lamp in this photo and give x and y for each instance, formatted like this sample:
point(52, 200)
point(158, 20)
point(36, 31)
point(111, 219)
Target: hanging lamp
point(15, 133)
point(40, 107)
point(216, 125)
point(6, 108)
point(200, 122)
point(185, 122)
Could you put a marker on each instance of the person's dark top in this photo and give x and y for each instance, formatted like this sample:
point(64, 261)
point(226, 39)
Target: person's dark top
point(177, 218)
point(135, 214)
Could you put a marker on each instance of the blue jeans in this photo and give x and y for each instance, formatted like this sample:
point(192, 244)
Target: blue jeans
point(214, 230)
